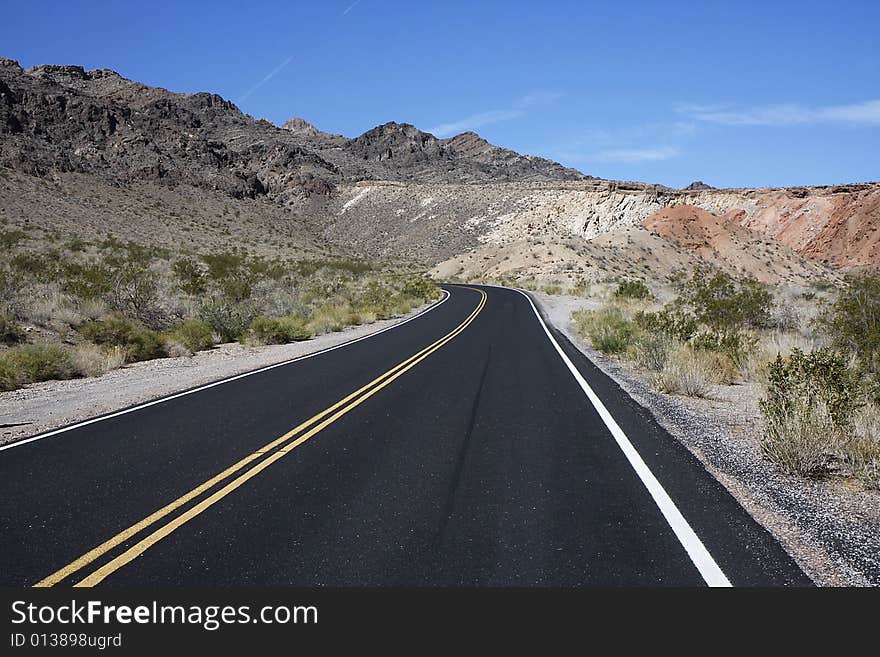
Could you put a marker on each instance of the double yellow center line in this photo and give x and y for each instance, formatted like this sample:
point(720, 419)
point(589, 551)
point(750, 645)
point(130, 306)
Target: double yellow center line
point(282, 446)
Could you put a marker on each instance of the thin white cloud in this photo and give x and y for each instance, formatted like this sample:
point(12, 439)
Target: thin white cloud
point(866, 113)
point(635, 155)
point(271, 74)
point(537, 98)
point(516, 110)
point(351, 6)
point(475, 121)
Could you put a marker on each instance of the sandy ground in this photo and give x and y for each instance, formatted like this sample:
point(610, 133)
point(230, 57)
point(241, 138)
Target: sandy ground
point(831, 527)
point(44, 406)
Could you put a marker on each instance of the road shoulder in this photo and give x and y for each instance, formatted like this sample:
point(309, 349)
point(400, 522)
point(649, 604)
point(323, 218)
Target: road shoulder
point(829, 529)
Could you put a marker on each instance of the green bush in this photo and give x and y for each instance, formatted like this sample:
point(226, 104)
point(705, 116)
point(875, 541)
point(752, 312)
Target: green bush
point(139, 343)
point(193, 334)
point(270, 330)
point(608, 329)
point(229, 319)
point(669, 321)
point(725, 304)
point(8, 376)
point(737, 346)
point(653, 350)
point(808, 410)
point(35, 362)
point(190, 277)
point(632, 289)
point(817, 376)
point(853, 321)
point(420, 288)
point(116, 330)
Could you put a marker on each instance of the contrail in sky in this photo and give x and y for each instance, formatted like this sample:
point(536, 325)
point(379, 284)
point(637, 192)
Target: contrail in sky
point(268, 77)
point(351, 6)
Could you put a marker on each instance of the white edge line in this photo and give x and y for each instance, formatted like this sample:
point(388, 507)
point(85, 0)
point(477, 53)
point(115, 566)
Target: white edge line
point(711, 572)
point(101, 418)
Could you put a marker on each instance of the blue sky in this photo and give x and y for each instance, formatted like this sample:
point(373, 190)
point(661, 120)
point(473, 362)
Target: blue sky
point(733, 93)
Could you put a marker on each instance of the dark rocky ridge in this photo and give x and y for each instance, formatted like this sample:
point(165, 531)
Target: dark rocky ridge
point(697, 186)
point(68, 119)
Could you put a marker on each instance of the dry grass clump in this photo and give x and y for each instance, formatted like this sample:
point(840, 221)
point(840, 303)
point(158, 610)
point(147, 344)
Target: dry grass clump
point(863, 447)
point(804, 439)
point(687, 372)
point(92, 360)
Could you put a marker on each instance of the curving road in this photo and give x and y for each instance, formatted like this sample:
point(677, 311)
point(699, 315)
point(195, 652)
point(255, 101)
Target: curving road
point(470, 446)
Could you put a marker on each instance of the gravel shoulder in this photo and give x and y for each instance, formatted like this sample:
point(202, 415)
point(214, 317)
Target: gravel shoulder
point(49, 405)
point(830, 527)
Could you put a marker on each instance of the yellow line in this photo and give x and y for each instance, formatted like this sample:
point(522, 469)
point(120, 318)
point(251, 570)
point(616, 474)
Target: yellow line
point(388, 377)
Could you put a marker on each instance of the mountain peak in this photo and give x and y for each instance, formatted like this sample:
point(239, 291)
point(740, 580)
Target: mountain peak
point(300, 126)
point(696, 186)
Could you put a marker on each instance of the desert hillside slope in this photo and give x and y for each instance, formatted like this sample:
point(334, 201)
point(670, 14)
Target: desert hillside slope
point(394, 192)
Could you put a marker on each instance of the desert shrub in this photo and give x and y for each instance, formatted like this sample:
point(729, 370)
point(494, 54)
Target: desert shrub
point(144, 345)
point(10, 238)
point(737, 346)
point(669, 321)
point(804, 439)
point(10, 331)
point(44, 267)
point(785, 318)
point(37, 362)
point(686, 372)
point(552, 289)
point(190, 276)
point(608, 329)
point(632, 289)
point(115, 330)
point(8, 376)
point(725, 304)
point(331, 317)
point(808, 408)
point(281, 330)
point(652, 350)
point(91, 360)
point(421, 288)
point(375, 299)
point(193, 334)
point(86, 280)
point(229, 319)
point(820, 375)
point(233, 275)
point(862, 450)
point(137, 342)
point(134, 291)
point(853, 321)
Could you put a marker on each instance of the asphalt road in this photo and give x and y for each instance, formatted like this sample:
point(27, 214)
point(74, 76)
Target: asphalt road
point(457, 449)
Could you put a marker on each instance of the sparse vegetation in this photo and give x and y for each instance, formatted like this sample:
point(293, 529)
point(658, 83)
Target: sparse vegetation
point(632, 289)
point(281, 330)
point(35, 362)
point(608, 329)
point(120, 302)
point(686, 372)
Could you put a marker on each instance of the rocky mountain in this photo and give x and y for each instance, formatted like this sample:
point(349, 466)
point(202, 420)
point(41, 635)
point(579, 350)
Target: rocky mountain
point(65, 118)
point(697, 186)
point(394, 192)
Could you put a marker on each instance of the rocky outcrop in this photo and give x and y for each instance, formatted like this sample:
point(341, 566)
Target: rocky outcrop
point(696, 186)
point(66, 118)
